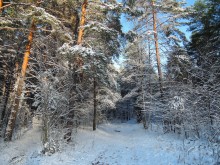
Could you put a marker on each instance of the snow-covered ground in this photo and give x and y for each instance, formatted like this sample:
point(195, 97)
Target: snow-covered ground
point(112, 144)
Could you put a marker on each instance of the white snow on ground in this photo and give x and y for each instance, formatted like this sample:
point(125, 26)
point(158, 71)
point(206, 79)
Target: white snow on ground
point(111, 144)
point(18, 152)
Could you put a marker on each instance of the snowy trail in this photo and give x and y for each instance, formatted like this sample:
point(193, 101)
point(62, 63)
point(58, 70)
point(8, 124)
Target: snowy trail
point(121, 144)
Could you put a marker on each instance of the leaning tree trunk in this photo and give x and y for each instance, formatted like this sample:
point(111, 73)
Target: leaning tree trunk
point(20, 81)
point(157, 48)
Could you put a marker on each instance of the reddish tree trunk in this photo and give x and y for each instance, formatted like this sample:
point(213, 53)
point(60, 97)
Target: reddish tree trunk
point(20, 81)
point(1, 5)
point(157, 48)
point(82, 22)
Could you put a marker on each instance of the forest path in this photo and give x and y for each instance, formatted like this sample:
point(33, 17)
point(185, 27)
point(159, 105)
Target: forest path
point(112, 144)
point(125, 144)
point(129, 144)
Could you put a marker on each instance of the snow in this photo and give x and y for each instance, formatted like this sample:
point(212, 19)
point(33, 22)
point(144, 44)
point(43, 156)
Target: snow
point(111, 144)
point(25, 146)
point(76, 49)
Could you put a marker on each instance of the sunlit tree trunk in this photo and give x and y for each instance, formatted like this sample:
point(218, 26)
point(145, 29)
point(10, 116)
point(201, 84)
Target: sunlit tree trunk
point(1, 3)
point(157, 48)
point(79, 60)
point(20, 84)
point(82, 22)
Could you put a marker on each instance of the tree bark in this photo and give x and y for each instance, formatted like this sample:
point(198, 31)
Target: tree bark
point(20, 81)
point(1, 5)
point(157, 48)
point(82, 22)
point(79, 60)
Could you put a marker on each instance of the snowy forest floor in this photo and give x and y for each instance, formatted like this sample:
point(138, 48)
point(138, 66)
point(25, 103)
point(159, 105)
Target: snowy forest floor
point(112, 144)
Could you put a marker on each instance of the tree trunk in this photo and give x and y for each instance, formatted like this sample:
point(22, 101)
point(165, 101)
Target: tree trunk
point(82, 22)
point(157, 48)
point(149, 81)
point(150, 66)
point(1, 4)
point(95, 103)
point(143, 87)
point(70, 116)
point(78, 77)
point(20, 81)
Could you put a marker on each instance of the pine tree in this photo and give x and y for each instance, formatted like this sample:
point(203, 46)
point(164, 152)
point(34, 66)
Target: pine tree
point(157, 48)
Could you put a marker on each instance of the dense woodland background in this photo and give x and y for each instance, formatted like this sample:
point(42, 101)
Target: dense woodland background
point(56, 64)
